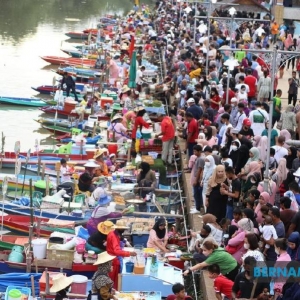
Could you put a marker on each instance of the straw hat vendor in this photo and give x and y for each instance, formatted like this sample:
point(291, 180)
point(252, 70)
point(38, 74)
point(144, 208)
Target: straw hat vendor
point(61, 286)
point(116, 131)
point(113, 247)
point(99, 157)
point(101, 212)
point(125, 98)
point(158, 236)
point(97, 241)
point(116, 109)
point(101, 283)
point(85, 183)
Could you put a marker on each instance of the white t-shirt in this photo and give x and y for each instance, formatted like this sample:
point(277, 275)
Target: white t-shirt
point(224, 134)
point(258, 119)
point(280, 152)
point(239, 120)
point(63, 172)
point(139, 75)
point(238, 86)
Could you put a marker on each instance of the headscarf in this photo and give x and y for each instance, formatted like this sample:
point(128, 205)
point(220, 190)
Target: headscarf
point(210, 219)
point(99, 281)
point(208, 171)
point(263, 148)
point(289, 108)
point(145, 169)
point(214, 130)
point(161, 233)
point(209, 134)
point(246, 225)
point(215, 180)
point(250, 214)
point(266, 196)
point(255, 153)
point(256, 141)
point(281, 171)
point(294, 238)
point(290, 158)
point(287, 137)
point(254, 167)
point(242, 158)
point(288, 42)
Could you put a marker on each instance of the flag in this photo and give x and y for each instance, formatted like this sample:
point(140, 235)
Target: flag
point(131, 46)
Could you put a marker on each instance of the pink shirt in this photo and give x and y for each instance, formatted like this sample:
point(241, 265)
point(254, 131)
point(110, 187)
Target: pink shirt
point(118, 128)
point(238, 241)
point(113, 69)
point(282, 257)
point(153, 237)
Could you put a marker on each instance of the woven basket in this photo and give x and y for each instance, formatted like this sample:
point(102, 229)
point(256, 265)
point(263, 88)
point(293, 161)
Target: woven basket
point(59, 255)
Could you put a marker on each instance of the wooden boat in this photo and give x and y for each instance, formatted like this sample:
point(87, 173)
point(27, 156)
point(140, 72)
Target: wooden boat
point(89, 140)
point(48, 89)
point(69, 268)
point(69, 61)
point(62, 112)
point(57, 129)
point(60, 122)
point(7, 242)
point(35, 170)
point(78, 71)
point(78, 35)
point(33, 102)
point(15, 209)
point(20, 225)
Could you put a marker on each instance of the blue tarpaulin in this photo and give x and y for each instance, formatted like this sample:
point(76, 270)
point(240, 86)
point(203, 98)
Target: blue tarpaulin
point(19, 279)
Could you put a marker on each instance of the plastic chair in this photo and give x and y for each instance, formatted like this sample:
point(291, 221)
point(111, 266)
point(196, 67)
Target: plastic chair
point(65, 149)
point(80, 198)
point(75, 131)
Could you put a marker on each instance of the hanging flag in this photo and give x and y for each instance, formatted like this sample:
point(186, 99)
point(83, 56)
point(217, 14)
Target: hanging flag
point(131, 46)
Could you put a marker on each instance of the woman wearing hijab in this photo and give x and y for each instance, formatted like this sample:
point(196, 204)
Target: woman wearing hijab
point(294, 246)
point(288, 42)
point(158, 236)
point(292, 154)
point(209, 137)
point(216, 202)
point(101, 283)
point(253, 157)
point(236, 243)
point(264, 198)
point(263, 147)
point(207, 173)
point(216, 230)
point(256, 141)
point(249, 213)
point(254, 167)
point(281, 172)
point(234, 152)
point(289, 123)
point(146, 179)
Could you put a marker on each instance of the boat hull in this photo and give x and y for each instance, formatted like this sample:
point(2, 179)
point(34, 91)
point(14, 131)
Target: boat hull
point(56, 60)
point(23, 101)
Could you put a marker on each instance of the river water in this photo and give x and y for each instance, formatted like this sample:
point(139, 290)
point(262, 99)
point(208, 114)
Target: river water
point(30, 29)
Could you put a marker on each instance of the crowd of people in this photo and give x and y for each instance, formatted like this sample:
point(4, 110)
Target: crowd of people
point(223, 116)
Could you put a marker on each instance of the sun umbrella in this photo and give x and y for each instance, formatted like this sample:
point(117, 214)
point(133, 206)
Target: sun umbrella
point(132, 71)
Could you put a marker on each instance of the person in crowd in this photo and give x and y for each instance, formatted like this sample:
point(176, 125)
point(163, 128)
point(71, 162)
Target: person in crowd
point(280, 173)
point(280, 151)
point(258, 118)
point(139, 122)
point(208, 170)
point(286, 213)
point(216, 199)
point(113, 248)
point(216, 230)
point(179, 293)
point(146, 179)
point(192, 133)
point(65, 171)
point(292, 154)
point(68, 84)
point(99, 158)
point(116, 132)
point(222, 285)
point(252, 248)
point(61, 286)
point(293, 249)
point(158, 236)
point(268, 231)
point(216, 255)
point(288, 118)
point(102, 284)
point(85, 181)
point(243, 282)
point(264, 198)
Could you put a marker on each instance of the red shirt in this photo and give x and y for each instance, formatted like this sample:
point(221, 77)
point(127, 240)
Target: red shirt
point(251, 81)
point(194, 129)
point(223, 285)
point(231, 95)
point(167, 128)
point(138, 123)
point(113, 245)
point(215, 98)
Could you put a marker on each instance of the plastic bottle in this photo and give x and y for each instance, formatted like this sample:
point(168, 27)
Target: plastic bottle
point(154, 266)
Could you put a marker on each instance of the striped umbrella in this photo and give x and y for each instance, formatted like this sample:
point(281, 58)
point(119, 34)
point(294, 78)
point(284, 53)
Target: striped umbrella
point(132, 71)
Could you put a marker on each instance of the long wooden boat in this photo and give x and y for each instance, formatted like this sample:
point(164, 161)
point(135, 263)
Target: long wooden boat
point(60, 122)
point(57, 129)
point(48, 89)
point(63, 113)
point(78, 35)
point(7, 242)
point(33, 102)
point(78, 71)
point(69, 61)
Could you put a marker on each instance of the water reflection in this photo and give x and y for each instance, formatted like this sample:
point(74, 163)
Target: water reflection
point(30, 29)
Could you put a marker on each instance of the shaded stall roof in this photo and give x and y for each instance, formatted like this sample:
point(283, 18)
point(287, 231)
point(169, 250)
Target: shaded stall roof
point(246, 5)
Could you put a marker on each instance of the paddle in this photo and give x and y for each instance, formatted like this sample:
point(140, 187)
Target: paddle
point(26, 164)
point(4, 190)
point(17, 172)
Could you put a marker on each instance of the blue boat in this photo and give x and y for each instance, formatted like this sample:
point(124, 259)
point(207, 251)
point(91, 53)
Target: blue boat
point(33, 102)
point(89, 140)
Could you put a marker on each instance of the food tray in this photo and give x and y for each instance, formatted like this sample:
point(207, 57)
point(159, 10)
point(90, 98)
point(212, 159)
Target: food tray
point(23, 290)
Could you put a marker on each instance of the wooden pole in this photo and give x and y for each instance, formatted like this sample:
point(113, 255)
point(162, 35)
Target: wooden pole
point(47, 185)
point(57, 169)
point(32, 287)
point(43, 170)
point(39, 166)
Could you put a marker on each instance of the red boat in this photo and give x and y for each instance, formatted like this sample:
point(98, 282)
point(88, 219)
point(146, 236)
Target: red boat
point(69, 61)
point(20, 224)
point(64, 113)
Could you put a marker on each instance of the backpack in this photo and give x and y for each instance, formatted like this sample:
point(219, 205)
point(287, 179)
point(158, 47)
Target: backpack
point(95, 296)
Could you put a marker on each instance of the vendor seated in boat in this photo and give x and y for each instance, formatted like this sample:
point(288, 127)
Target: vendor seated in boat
point(97, 241)
point(112, 163)
point(101, 212)
point(116, 132)
point(99, 157)
point(85, 183)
